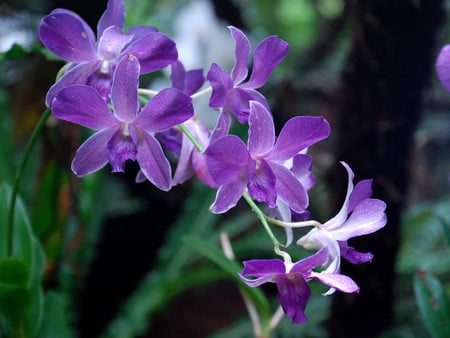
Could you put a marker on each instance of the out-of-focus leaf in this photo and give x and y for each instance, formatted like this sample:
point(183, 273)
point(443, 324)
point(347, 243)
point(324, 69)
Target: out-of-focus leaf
point(433, 304)
point(18, 52)
point(54, 324)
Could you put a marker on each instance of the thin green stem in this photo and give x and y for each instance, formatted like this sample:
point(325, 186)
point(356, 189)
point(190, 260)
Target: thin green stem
point(311, 223)
point(147, 92)
point(205, 91)
point(12, 203)
point(191, 137)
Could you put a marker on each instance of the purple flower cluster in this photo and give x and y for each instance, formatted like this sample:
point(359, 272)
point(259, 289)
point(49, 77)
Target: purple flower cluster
point(99, 89)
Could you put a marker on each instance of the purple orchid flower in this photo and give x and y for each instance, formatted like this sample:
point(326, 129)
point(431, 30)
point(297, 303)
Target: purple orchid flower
point(127, 132)
point(443, 66)
point(359, 215)
point(92, 62)
point(229, 92)
point(291, 280)
point(260, 165)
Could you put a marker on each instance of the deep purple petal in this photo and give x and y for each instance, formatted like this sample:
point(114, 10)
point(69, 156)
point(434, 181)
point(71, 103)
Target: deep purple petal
point(261, 132)
point(367, 217)
point(167, 109)
point(238, 102)
point(353, 256)
point(152, 161)
point(112, 42)
point(443, 66)
point(154, 51)
point(68, 36)
point(124, 91)
point(79, 74)
point(263, 267)
point(178, 75)
point(306, 265)
point(297, 134)
point(289, 188)
point(93, 153)
point(261, 185)
point(268, 54)
point(226, 159)
point(362, 191)
point(337, 281)
point(227, 196)
point(194, 80)
point(83, 105)
point(221, 83)
point(114, 15)
point(241, 54)
point(293, 295)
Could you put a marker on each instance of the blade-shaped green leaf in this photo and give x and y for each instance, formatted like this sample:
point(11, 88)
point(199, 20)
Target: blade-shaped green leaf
point(433, 304)
point(54, 324)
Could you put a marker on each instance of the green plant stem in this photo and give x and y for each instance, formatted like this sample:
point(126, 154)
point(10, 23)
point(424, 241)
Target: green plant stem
point(12, 203)
point(191, 137)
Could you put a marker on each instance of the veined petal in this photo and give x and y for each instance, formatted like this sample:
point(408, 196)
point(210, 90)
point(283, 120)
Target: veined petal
point(267, 56)
point(289, 189)
point(293, 295)
point(124, 91)
point(362, 191)
point(263, 267)
point(221, 83)
point(154, 51)
point(238, 102)
point(121, 148)
point(83, 105)
point(297, 134)
point(93, 153)
point(261, 184)
point(443, 66)
point(227, 196)
point(64, 33)
point(336, 281)
point(226, 159)
point(261, 132)
point(167, 109)
point(78, 74)
point(111, 43)
point(367, 217)
point(151, 159)
point(114, 15)
point(353, 256)
point(241, 54)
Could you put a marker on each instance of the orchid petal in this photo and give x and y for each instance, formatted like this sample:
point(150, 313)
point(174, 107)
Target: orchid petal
point(222, 126)
point(221, 83)
point(167, 109)
point(297, 134)
point(184, 168)
point(353, 256)
point(124, 91)
point(178, 75)
point(301, 168)
point(267, 56)
point(140, 31)
point(112, 42)
point(154, 51)
point(227, 196)
point(83, 105)
point(92, 155)
point(68, 36)
point(261, 133)
point(293, 295)
point(114, 15)
point(261, 185)
point(194, 81)
point(263, 267)
point(362, 191)
point(443, 66)
point(336, 281)
point(242, 53)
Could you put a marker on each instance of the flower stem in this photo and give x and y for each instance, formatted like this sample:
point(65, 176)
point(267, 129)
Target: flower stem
point(311, 223)
point(191, 137)
point(205, 91)
point(12, 203)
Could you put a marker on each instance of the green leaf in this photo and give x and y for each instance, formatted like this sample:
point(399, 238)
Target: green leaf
point(54, 323)
point(433, 304)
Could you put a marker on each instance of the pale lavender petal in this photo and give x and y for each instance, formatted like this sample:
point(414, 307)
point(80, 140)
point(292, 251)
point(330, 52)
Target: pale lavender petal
point(305, 265)
point(362, 191)
point(154, 51)
point(443, 66)
point(241, 54)
point(226, 159)
point(68, 36)
point(93, 153)
point(152, 161)
point(227, 196)
point(124, 91)
point(75, 75)
point(221, 83)
point(297, 134)
point(336, 281)
point(112, 42)
point(353, 256)
point(114, 15)
point(194, 80)
point(167, 109)
point(83, 105)
point(261, 185)
point(301, 168)
point(289, 188)
point(268, 55)
point(261, 132)
point(293, 295)
point(367, 217)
